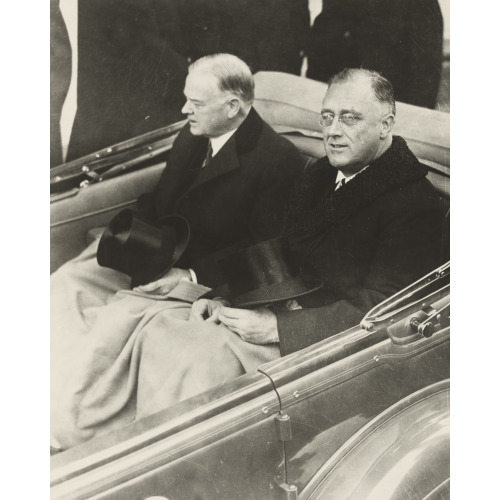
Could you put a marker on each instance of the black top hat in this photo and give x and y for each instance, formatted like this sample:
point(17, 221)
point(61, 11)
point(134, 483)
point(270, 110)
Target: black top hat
point(261, 274)
point(143, 251)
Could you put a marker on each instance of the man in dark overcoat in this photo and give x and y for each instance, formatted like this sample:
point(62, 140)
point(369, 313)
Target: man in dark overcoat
point(239, 197)
point(364, 219)
point(229, 174)
point(235, 199)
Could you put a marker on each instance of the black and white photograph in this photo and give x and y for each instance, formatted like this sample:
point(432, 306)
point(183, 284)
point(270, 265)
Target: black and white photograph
point(249, 250)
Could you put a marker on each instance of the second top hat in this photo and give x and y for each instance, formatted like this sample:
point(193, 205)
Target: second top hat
point(142, 250)
point(262, 274)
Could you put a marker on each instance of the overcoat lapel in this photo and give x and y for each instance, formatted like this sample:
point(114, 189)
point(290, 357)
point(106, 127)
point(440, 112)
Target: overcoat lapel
point(228, 158)
point(183, 168)
point(222, 163)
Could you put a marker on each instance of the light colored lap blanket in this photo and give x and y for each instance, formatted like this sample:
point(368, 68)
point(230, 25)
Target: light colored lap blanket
point(131, 356)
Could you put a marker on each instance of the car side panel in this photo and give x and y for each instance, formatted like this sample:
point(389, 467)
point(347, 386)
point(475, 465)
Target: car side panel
point(329, 405)
point(227, 457)
point(236, 455)
point(74, 213)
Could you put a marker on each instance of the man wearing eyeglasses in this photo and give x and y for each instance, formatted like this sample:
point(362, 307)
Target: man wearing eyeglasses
point(364, 219)
point(357, 129)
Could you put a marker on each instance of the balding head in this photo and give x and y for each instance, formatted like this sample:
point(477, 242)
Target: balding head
point(219, 94)
point(382, 88)
point(232, 74)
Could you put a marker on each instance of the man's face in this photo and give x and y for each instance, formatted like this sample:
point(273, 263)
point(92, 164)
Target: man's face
point(352, 146)
point(206, 106)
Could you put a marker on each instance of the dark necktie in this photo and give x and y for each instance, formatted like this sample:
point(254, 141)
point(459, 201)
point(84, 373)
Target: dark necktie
point(339, 184)
point(208, 156)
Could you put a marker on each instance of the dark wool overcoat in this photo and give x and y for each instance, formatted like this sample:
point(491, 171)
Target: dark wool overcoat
point(268, 36)
point(402, 39)
point(130, 78)
point(377, 234)
point(237, 200)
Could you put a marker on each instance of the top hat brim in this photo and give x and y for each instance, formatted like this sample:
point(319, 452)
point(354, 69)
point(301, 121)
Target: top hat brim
point(291, 288)
point(112, 250)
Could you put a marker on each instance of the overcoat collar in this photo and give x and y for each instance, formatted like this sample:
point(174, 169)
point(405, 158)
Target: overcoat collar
point(227, 159)
point(315, 208)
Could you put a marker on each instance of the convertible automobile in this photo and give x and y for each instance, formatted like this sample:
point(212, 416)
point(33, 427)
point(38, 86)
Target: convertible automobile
point(363, 414)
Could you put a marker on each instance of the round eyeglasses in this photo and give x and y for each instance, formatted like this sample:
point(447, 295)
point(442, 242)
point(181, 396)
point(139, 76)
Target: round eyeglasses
point(347, 119)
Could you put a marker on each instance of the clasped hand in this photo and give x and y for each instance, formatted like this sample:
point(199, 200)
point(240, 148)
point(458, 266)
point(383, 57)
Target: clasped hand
point(257, 326)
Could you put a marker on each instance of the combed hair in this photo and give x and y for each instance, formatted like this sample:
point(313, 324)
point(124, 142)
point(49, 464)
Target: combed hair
point(232, 74)
point(382, 88)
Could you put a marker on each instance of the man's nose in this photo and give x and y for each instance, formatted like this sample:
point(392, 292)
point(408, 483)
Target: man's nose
point(335, 128)
point(187, 109)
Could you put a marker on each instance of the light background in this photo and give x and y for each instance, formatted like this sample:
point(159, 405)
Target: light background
point(25, 250)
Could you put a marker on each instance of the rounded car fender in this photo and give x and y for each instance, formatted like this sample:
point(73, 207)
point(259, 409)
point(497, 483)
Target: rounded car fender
point(402, 453)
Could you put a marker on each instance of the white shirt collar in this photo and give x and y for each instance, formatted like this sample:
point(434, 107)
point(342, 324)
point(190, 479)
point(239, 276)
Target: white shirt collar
point(341, 176)
point(218, 142)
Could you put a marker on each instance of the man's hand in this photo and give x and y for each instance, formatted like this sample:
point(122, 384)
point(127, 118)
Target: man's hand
point(206, 310)
point(166, 283)
point(257, 326)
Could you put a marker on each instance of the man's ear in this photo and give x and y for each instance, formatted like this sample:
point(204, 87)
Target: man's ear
point(387, 124)
point(234, 106)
